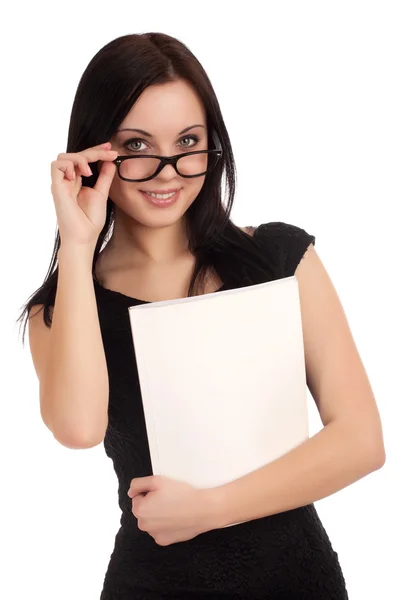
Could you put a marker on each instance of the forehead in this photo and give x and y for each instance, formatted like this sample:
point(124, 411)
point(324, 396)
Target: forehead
point(165, 109)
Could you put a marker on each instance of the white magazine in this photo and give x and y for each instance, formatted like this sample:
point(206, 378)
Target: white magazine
point(223, 380)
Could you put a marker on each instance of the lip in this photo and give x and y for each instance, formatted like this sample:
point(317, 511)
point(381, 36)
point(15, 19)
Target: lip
point(159, 202)
point(162, 191)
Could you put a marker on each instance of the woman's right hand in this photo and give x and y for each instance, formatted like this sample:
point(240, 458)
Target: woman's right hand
point(81, 211)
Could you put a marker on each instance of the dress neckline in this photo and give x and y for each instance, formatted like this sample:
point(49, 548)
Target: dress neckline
point(136, 300)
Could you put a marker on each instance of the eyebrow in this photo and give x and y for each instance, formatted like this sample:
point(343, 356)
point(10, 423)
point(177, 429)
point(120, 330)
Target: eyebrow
point(146, 133)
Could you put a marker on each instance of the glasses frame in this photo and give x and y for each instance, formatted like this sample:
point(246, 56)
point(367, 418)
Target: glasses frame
point(171, 160)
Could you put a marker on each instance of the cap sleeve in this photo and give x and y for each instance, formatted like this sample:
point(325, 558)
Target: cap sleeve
point(286, 242)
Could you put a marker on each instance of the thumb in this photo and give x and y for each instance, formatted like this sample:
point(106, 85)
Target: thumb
point(104, 180)
point(140, 485)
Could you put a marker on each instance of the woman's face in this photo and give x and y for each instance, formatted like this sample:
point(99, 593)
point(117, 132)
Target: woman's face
point(163, 111)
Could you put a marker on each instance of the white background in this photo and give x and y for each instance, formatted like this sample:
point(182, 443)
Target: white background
point(310, 95)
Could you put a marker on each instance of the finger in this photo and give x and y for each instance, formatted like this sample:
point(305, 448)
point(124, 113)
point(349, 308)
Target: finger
point(142, 484)
point(111, 156)
point(70, 169)
point(105, 147)
point(79, 162)
point(80, 165)
point(99, 157)
point(62, 169)
point(104, 180)
point(91, 154)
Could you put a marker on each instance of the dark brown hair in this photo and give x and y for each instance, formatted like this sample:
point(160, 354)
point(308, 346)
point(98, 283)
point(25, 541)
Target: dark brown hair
point(109, 87)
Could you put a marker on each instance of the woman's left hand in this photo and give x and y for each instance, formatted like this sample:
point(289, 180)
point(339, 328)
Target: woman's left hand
point(171, 511)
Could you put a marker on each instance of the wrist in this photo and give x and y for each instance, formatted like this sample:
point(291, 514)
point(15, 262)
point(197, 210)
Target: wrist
point(213, 499)
point(68, 252)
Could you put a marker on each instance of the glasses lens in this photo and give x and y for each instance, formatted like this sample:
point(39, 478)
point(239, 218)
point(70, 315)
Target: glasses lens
point(143, 167)
point(196, 164)
point(138, 168)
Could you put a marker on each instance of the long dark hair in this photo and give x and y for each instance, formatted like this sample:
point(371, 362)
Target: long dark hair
point(109, 87)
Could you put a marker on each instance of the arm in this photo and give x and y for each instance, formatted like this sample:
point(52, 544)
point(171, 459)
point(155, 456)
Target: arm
point(69, 356)
point(349, 446)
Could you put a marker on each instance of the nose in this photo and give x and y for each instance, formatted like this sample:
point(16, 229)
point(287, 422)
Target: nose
point(167, 172)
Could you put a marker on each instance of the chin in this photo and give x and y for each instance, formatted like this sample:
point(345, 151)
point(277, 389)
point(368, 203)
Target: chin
point(153, 217)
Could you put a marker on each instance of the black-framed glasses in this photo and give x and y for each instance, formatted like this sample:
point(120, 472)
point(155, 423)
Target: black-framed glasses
point(144, 167)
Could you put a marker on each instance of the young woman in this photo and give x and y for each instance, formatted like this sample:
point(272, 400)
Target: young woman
point(149, 224)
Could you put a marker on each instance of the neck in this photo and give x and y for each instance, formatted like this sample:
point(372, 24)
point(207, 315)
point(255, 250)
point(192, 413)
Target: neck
point(137, 245)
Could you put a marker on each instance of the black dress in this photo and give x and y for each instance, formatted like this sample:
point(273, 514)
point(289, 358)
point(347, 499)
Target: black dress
point(284, 556)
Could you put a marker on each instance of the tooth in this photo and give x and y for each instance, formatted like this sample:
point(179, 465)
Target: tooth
point(161, 196)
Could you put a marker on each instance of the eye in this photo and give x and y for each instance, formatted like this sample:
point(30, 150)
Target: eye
point(191, 137)
point(129, 143)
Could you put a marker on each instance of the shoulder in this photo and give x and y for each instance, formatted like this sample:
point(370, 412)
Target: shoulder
point(286, 243)
point(287, 233)
point(249, 230)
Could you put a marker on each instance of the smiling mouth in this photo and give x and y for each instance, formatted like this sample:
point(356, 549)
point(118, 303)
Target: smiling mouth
point(164, 200)
point(165, 194)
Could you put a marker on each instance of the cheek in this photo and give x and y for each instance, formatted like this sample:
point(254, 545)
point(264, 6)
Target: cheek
point(199, 183)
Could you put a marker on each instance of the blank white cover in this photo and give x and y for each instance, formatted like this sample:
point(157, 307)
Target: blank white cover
point(223, 380)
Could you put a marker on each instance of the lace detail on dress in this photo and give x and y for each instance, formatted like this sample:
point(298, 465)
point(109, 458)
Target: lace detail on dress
point(287, 243)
